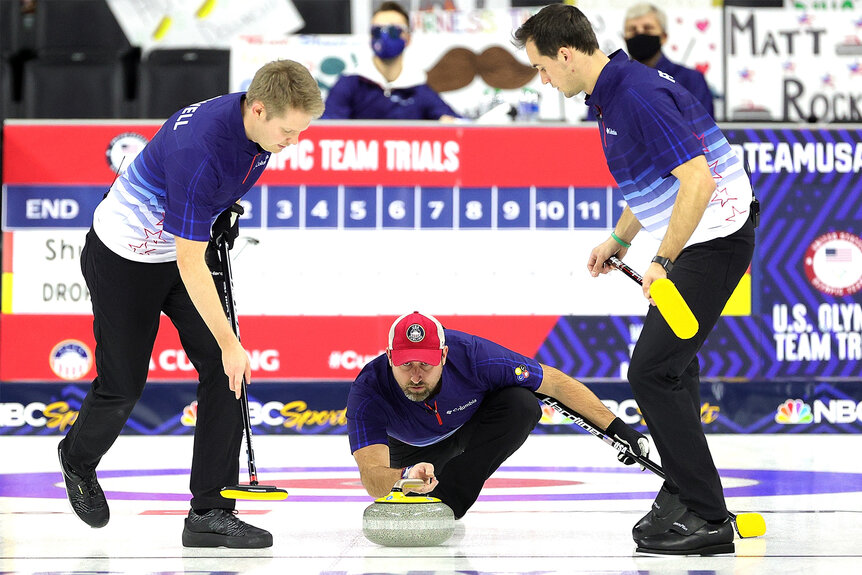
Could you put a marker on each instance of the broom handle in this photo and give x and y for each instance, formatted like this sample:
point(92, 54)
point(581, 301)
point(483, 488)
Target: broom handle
point(645, 462)
point(577, 418)
point(230, 309)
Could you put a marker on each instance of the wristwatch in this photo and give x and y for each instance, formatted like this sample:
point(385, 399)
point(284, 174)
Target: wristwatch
point(664, 262)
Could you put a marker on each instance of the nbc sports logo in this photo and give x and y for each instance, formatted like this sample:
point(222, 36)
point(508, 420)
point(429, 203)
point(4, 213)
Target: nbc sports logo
point(793, 411)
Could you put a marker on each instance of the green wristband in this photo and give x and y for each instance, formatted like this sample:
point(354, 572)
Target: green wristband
point(619, 241)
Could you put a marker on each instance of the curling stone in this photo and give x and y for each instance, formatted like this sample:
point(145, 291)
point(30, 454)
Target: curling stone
point(399, 520)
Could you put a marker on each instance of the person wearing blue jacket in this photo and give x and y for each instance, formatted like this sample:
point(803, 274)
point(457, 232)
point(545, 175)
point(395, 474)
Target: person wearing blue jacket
point(645, 32)
point(384, 88)
point(449, 408)
point(145, 255)
point(684, 185)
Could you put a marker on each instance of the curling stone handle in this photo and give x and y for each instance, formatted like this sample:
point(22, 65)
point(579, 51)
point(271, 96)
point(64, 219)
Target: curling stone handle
point(401, 484)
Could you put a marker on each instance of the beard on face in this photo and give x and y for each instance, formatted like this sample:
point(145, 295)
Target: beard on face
point(422, 395)
point(417, 396)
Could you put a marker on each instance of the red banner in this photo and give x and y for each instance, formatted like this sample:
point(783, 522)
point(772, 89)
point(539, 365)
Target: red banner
point(328, 154)
point(51, 348)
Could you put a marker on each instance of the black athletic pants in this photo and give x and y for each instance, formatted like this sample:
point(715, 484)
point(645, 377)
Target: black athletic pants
point(665, 374)
point(127, 299)
point(463, 461)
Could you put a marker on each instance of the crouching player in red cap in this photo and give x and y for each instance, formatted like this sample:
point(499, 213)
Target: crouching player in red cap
point(449, 407)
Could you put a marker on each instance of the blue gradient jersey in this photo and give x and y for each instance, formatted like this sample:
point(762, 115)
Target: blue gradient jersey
point(197, 165)
point(649, 125)
point(377, 408)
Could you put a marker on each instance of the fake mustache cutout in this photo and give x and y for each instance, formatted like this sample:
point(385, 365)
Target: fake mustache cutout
point(496, 66)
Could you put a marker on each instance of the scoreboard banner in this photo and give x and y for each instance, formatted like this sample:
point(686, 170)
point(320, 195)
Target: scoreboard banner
point(488, 227)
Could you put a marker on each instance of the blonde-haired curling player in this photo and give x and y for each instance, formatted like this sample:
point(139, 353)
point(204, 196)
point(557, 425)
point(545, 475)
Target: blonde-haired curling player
point(145, 255)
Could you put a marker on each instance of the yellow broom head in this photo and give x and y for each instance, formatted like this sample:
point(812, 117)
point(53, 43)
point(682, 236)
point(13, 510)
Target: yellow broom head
point(750, 524)
point(254, 492)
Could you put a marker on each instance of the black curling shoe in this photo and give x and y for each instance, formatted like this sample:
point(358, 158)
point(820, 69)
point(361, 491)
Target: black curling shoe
point(85, 494)
point(222, 528)
point(666, 509)
point(691, 535)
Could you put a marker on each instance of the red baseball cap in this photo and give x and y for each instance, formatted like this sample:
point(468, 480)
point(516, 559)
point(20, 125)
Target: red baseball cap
point(416, 337)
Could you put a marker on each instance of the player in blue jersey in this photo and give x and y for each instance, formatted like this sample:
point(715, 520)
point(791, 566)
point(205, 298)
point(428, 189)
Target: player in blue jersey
point(145, 255)
point(449, 408)
point(684, 185)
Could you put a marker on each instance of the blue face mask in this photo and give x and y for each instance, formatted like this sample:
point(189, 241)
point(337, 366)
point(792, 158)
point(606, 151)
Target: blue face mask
point(387, 41)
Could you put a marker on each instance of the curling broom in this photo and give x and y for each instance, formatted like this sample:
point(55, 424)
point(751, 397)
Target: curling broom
point(253, 490)
point(668, 300)
point(745, 524)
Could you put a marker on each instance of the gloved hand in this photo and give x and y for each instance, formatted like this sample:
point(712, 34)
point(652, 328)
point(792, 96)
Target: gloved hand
point(634, 440)
point(227, 225)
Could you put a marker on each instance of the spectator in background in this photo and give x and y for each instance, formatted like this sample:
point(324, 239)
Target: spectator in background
point(645, 32)
point(384, 89)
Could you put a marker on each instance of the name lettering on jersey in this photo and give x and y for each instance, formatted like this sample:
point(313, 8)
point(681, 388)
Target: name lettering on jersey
point(611, 131)
point(187, 113)
point(666, 76)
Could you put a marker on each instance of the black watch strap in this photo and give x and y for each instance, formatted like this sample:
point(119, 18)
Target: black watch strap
point(664, 262)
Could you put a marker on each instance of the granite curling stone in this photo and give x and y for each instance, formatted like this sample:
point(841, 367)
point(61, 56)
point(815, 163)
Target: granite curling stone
point(399, 520)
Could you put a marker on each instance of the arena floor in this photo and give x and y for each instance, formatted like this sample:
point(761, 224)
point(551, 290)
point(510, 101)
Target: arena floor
point(562, 504)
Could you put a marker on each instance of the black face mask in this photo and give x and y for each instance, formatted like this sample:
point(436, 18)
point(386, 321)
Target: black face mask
point(643, 46)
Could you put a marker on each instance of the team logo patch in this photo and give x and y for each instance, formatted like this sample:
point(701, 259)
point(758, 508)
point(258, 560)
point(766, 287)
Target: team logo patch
point(123, 149)
point(71, 359)
point(415, 333)
point(521, 372)
point(833, 263)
